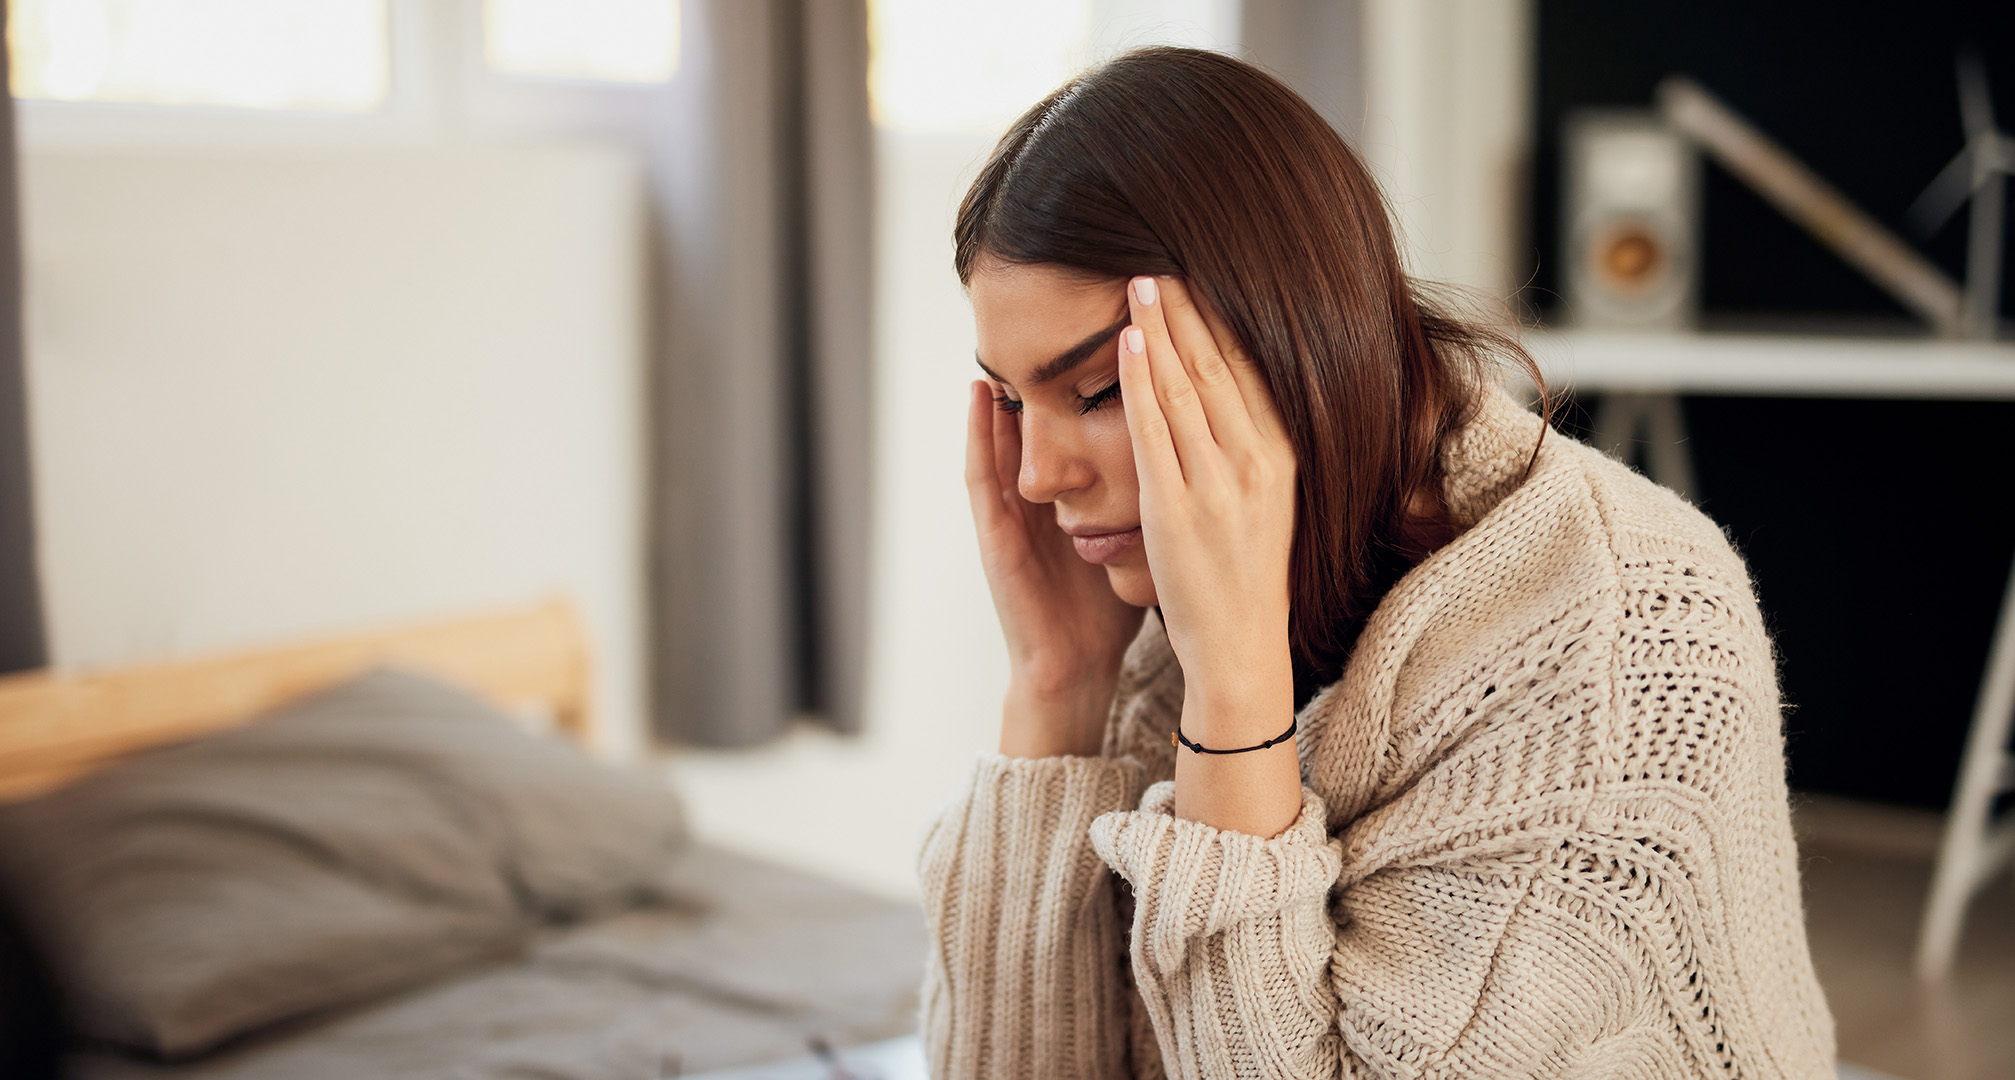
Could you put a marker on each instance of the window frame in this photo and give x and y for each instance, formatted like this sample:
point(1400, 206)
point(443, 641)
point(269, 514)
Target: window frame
point(439, 85)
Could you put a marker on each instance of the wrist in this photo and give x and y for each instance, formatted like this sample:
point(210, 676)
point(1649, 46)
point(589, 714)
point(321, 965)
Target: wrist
point(1239, 704)
point(1052, 721)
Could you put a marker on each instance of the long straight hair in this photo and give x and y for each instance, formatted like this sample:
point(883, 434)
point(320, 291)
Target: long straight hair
point(1182, 162)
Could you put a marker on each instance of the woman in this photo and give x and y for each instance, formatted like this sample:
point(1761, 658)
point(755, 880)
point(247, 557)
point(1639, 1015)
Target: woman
point(1425, 741)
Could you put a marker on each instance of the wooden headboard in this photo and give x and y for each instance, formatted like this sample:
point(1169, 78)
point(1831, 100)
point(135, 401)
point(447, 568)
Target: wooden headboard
point(57, 726)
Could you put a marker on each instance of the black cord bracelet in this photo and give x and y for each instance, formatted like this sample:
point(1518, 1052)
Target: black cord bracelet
point(1177, 738)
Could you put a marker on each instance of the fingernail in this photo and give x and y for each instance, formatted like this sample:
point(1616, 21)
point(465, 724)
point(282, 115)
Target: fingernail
point(1144, 290)
point(1136, 342)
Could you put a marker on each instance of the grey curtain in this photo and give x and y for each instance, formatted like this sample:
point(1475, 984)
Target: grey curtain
point(21, 640)
point(764, 174)
point(1316, 47)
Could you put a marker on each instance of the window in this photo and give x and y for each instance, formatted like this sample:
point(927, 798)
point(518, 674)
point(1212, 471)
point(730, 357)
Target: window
point(974, 65)
point(601, 40)
point(258, 54)
point(956, 65)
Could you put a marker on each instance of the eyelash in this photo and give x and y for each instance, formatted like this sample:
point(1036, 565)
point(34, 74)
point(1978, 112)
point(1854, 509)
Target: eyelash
point(1007, 404)
point(1086, 405)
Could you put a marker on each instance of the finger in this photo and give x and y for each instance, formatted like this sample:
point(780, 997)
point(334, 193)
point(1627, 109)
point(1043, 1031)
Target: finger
point(992, 454)
point(1174, 391)
point(1205, 356)
point(982, 476)
point(1154, 456)
point(1007, 446)
point(1249, 375)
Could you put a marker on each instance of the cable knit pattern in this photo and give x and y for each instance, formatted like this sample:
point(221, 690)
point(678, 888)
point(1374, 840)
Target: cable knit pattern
point(1544, 833)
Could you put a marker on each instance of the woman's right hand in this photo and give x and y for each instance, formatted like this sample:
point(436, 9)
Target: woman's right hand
point(1066, 630)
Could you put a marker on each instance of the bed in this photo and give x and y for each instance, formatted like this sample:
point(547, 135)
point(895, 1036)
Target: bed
point(429, 894)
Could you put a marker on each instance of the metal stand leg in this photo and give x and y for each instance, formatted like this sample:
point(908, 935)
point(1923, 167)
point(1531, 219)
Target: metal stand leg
point(1973, 848)
point(1656, 420)
point(1617, 420)
point(1665, 453)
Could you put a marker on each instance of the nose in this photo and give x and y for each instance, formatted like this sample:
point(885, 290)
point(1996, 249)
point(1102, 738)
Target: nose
point(1053, 463)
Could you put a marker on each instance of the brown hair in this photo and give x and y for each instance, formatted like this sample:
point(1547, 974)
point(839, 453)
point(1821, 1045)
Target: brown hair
point(1183, 162)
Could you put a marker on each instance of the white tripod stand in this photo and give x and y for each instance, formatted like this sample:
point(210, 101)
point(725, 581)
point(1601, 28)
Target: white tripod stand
point(1974, 848)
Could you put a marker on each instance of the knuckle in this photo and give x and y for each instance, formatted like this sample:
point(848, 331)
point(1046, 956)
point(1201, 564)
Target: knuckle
point(1180, 392)
point(1268, 469)
point(1211, 369)
point(1154, 428)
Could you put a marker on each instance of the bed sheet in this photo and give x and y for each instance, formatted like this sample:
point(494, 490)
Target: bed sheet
point(734, 961)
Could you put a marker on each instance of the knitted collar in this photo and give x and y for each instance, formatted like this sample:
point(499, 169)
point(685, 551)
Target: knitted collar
point(1486, 459)
point(1483, 463)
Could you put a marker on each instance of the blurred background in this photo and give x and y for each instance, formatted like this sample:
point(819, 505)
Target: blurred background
point(339, 313)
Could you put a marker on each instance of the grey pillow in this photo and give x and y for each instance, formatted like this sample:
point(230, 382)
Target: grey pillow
point(366, 839)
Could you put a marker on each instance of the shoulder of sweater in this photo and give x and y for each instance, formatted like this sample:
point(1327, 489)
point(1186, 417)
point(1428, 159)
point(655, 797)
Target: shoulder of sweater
point(1569, 564)
point(1645, 523)
point(1585, 536)
point(1507, 481)
point(1553, 518)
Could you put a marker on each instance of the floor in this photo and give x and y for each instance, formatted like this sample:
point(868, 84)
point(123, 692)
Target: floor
point(1866, 871)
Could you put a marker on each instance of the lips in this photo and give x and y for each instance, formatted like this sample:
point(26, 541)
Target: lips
point(1098, 546)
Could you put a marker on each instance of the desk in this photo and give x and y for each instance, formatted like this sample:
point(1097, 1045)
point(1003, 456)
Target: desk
point(1758, 365)
point(1640, 378)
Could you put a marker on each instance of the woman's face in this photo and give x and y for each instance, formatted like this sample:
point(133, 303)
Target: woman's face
point(1049, 341)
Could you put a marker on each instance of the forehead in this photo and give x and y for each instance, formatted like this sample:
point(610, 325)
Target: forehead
point(1026, 315)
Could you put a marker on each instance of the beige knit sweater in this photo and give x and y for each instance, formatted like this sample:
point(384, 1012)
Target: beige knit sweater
point(1544, 833)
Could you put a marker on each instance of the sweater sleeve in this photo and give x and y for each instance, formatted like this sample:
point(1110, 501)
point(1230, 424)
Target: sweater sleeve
point(1027, 971)
point(1231, 939)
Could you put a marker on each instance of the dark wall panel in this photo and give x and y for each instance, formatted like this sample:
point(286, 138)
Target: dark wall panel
point(1862, 92)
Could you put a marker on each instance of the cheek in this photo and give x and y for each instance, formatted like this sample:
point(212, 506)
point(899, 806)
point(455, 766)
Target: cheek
point(1108, 444)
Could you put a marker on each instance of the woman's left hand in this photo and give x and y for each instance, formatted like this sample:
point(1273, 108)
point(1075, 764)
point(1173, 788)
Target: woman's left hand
point(1217, 504)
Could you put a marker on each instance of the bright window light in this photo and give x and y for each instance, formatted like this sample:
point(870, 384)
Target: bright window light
point(256, 54)
point(601, 40)
point(974, 65)
point(971, 65)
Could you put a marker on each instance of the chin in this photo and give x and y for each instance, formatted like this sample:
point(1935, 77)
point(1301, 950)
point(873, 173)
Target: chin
point(1132, 584)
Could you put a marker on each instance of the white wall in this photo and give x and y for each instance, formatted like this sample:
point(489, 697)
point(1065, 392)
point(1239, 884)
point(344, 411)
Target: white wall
point(1448, 103)
point(285, 392)
point(855, 808)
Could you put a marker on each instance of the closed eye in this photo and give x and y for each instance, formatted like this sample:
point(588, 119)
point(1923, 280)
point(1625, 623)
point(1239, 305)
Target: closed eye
point(1088, 404)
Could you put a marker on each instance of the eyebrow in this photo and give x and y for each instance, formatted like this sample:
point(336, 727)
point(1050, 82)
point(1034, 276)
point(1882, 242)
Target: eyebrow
point(1064, 361)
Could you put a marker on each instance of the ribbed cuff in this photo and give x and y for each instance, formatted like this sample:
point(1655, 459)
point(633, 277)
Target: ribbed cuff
point(1202, 880)
point(1021, 826)
point(1033, 796)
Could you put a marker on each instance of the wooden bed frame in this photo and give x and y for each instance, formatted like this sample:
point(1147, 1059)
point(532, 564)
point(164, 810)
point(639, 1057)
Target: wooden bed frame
point(58, 726)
